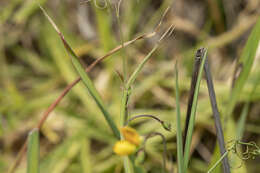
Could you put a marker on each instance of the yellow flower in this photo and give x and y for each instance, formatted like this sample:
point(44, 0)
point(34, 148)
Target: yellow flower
point(131, 135)
point(124, 148)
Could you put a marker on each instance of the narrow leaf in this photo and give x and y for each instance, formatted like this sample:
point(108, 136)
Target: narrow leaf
point(85, 78)
point(217, 121)
point(178, 120)
point(33, 152)
point(244, 66)
point(242, 119)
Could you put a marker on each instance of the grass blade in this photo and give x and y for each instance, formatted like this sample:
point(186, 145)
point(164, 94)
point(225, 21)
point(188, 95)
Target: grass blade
point(244, 66)
point(217, 163)
point(178, 121)
point(85, 78)
point(245, 110)
point(194, 78)
point(92, 90)
point(218, 126)
point(242, 121)
point(33, 152)
point(85, 158)
point(200, 53)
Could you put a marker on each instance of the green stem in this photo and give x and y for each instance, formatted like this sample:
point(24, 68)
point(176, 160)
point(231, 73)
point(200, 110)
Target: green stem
point(217, 163)
point(178, 120)
point(127, 89)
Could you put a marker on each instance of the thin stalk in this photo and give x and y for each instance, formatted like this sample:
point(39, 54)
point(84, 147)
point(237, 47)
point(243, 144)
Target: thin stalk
point(127, 163)
point(178, 121)
point(218, 126)
point(217, 163)
point(117, 6)
point(164, 146)
point(165, 125)
point(202, 53)
point(127, 88)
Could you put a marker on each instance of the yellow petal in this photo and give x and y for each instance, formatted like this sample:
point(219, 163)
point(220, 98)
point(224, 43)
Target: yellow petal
point(124, 148)
point(131, 135)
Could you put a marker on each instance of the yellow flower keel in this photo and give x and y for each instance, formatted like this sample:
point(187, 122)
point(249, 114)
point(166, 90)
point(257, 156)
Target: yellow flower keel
point(124, 148)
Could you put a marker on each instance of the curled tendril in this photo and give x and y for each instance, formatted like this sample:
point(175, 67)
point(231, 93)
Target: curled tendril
point(251, 150)
point(166, 125)
point(152, 134)
point(140, 156)
point(97, 4)
point(101, 7)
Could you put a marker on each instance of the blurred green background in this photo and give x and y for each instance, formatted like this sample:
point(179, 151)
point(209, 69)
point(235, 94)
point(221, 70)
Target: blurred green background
point(35, 68)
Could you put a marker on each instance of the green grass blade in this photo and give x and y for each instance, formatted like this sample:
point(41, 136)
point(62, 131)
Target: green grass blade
point(85, 158)
point(244, 65)
point(193, 112)
point(242, 122)
point(85, 78)
point(140, 67)
point(243, 116)
point(33, 152)
point(178, 121)
point(92, 90)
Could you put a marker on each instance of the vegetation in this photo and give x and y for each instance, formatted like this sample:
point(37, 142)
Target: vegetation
point(145, 68)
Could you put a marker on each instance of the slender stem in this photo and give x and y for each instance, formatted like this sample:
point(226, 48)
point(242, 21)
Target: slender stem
point(164, 146)
point(218, 126)
point(127, 89)
point(178, 121)
point(127, 164)
point(117, 6)
point(141, 116)
point(165, 125)
point(216, 164)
